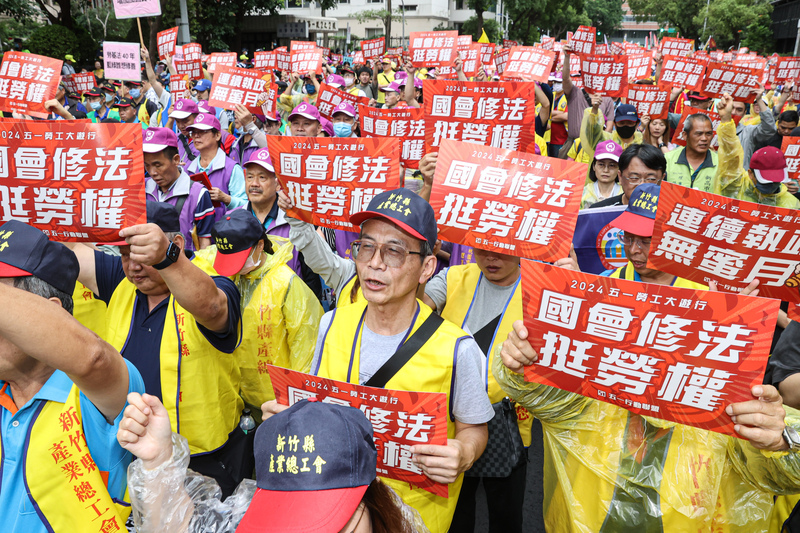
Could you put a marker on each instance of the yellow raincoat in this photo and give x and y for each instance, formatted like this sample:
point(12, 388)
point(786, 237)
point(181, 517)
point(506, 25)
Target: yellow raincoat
point(608, 470)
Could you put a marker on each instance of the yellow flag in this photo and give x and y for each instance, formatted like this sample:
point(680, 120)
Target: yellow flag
point(484, 38)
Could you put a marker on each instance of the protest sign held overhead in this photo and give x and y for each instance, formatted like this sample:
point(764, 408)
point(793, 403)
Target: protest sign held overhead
point(674, 46)
point(508, 202)
point(787, 69)
point(305, 61)
point(407, 124)
point(221, 59)
point(373, 48)
point(27, 81)
point(330, 179)
point(127, 9)
point(166, 42)
point(739, 82)
point(433, 48)
point(121, 61)
point(191, 52)
point(649, 100)
point(264, 60)
point(330, 98)
point(75, 181)
point(233, 86)
point(639, 66)
point(682, 72)
point(529, 63)
point(605, 75)
point(193, 69)
point(80, 82)
point(583, 40)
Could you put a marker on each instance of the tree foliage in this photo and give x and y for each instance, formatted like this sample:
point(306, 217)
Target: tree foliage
point(479, 6)
point(492, 28)
point(54, 41)
point(528, 19)
point(385, 16)
point(727, 17)
point(606, 15)
point(678, 14)
point(101, 23)
point(17, 9)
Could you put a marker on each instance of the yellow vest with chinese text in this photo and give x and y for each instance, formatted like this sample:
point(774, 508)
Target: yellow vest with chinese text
point(429, 370)
point(462, 289)
point(627, 272)
point(67, 490)
point(88, 310)
point(199, 384)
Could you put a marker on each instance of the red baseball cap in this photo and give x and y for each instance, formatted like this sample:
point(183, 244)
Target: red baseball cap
point(769, 166)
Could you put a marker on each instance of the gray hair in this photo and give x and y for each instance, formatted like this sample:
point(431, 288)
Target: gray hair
point(689, 123)
point(41, 288)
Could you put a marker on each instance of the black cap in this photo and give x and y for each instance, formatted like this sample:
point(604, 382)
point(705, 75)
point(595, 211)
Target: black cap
point(404, 208)
point(235, 235)
point(125, 102)
point(165, 216)
point(26, 251)
point(94, 91)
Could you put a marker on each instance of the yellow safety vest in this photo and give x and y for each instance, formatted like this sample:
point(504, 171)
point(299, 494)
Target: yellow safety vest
point(627, 272)
point(199, 384)
point(429, 370)
point(344, 298)
point(88, 310)
point(62, 480)
point(462, 288)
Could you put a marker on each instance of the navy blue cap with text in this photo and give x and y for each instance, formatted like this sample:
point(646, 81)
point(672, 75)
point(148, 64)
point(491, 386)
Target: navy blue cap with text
point(235, 235)
point(639, 217)
point(406, 209)
point(314, 462)
point(26, 251)
point(625, 112)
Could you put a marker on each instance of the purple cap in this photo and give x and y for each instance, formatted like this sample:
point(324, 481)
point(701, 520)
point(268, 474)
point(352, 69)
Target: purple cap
point(334, 80)
point(204, 107)
point(306, 110)
point(346, 108)
point(393, 87)
point(156, 139)
point(261, 158)
point(401, 76)
point(183, 108)
point(327, 126)
point(608, 150)
point(260, 117)
point(417, 83)
point(205, 121)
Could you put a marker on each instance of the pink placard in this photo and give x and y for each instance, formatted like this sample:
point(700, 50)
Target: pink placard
point(127, 9)
point(121, 61)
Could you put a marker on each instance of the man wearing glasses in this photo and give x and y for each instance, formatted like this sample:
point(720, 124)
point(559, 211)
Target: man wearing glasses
point(638, 164)
point(636, 223)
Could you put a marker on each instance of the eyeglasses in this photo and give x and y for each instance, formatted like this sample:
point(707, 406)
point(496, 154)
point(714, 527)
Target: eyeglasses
point(629, 240)
point(392, 255)
point(635, 178)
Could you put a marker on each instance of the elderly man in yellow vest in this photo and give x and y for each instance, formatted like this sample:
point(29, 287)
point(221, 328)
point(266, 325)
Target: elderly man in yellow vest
point(179, 323)
point(62, 393)
point(393, 256)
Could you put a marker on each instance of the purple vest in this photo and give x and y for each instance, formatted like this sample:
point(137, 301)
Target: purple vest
point(343, 241)
point(241, 152)
point(182, 149)
point(461, 255)
point(219, 178)
point(187, 211)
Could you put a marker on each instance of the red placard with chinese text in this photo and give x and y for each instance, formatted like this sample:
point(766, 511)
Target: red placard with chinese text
point(296, 46)
point(221, 59)
point(649, 100)
point(305, 61)
point(508, 43)
point(471, 59)
point(75, 181)
point(701, 236)
point(739, 82)
point(270, 105)
point(400, 419)
point(433, 48)
point(529, 63)
point(27, 81)
point(80, 82)
point(330, 97)
point(605, 75)
point(505, 201)
point(330, 179)
point(192, 68)
point(682, 72)
point(678, 354)
point(639, 66)
point(500, 60)
point(787, 69)
point(616, 48)
point(358, 58)
point(283, 60)
point(601, 49)
point(756, 63)
point(406, 124)
point(485, 113)
point(791, 150)
point(675, 46)
point(264, 60)
point(372, 48)
point(191, 52)
point(234, 86)
point(166, 42)
point(178, 84)
point(679, 137)
point(487, 50)
point(583, 40)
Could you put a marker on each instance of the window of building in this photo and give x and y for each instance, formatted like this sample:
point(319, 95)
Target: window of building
point(371, 33)
point(408, 8)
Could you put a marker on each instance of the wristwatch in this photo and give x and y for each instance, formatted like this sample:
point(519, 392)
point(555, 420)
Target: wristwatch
point(662, 145)
point(792, 438)
point(173, 252)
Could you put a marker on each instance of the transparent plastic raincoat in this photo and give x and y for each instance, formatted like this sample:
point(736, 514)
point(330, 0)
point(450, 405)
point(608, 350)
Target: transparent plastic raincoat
point(608, 470)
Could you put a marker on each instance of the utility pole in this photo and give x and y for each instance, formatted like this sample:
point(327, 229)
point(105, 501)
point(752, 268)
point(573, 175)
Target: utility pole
point(183, 31)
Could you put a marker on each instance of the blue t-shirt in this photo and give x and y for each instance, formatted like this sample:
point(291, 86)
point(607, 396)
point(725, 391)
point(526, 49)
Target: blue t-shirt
point(143, 347)
point(16, 507)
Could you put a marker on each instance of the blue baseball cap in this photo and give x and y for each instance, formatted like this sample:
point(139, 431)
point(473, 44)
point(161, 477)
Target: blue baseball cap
point(640, 216)
point(202, 85)
point(625, 112)
point(164, 215)
point(26, 251)
point(406, 209)
point(314, 462)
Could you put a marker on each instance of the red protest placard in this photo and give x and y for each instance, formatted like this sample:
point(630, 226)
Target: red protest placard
point(485, 113)
point(433, 48)
point(282, 60)
point(583, 40)
point(639, 66)
point(192, 68)
point(487, 50)
point(601, 49)
point(508, 43)
point(529, 63)
point(616, 49)
point(548, 43)
point(336, 58)
point(649, 100)
point(739, 82)
point(682, 72)
point(679, 137)
point(372, 48)
point(178, 84)
point(605, 75)
point(234, 86)
point(264, 60)
point(701, 237)
point(505, 201)
point(166, 42)
point(406, 124)
point(27, 81)
point(304, 61)
point(791, 150)
point(400, 419)
point(297, 46)
point(674, 46)
point(677, 354)
point(81, 82)
point(221, 59)
point(500, 59)
point(75, 181)
point(787, 69)
point(471, 60)
point(191, 52)
point(330, 179)
point(757, 63)
point(269, 107)
point(358, 57)
point(330, 97)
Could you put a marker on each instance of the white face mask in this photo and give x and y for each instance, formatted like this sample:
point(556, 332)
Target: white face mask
point(557, 87)
point(349, 81)
point(250, 265)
